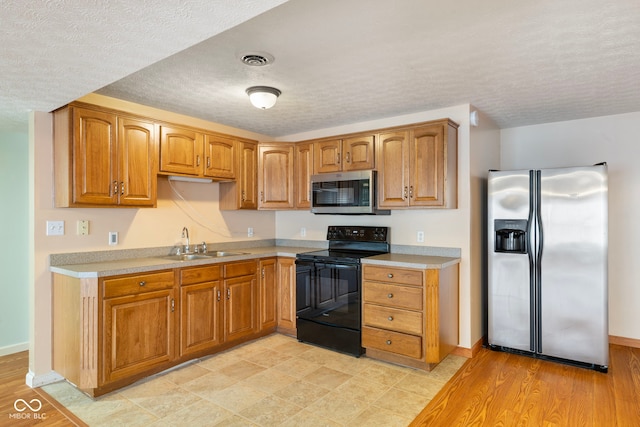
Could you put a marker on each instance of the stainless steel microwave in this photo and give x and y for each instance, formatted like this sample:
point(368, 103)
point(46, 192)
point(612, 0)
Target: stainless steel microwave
point(346, 193)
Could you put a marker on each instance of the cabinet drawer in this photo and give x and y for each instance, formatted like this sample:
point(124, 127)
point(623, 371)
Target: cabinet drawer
point(130, 285)
point(393, 319)
point(392, 295)
point(238, 269)
point(393, 342)
point(393, 275)
point(190, 276)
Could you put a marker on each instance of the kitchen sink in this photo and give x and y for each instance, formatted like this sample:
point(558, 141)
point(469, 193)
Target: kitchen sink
point(208, 255)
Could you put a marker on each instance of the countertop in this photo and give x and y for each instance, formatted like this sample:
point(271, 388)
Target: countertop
point(155, 263)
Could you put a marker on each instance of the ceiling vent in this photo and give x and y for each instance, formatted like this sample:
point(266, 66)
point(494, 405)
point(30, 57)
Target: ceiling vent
point(257, 59)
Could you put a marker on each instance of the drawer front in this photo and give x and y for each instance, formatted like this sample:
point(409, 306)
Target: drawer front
point(394, 275)
point(392, 295)
point(393, 342)
point(131, 285)
point(237, 269)
point(393, 319)
point(189, 276)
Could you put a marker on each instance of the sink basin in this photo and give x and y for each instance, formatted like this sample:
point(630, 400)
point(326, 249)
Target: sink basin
point(208, 255)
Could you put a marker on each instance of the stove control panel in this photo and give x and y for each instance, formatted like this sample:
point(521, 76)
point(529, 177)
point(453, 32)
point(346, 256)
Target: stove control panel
point(358, 234)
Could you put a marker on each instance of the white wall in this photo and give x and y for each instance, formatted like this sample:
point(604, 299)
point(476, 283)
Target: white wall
point(14, 283)
point(611, 139)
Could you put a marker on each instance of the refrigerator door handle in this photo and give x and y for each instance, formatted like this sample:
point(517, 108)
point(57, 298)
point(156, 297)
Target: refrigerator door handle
point(538, 260)
point(532, 251)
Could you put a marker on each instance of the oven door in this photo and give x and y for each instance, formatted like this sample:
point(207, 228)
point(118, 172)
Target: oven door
point(328, 293)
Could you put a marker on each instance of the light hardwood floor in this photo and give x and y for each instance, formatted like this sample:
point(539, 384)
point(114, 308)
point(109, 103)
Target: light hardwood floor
point(501, 389)
point(492, 389)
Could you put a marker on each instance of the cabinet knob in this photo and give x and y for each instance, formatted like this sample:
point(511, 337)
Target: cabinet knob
point(208, 161)
point(142, 283)
point(218, 294)
point(389, 295)
point(228, 293)
point(348, 159)
point(411, 192)
point(390, 275)
point(388, 342)
point(198, 160)
point(122, 188)
point(405, 193)
point(390, 318)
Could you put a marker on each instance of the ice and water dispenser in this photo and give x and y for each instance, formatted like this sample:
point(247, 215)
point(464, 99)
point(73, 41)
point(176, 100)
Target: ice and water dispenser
point(511, 235)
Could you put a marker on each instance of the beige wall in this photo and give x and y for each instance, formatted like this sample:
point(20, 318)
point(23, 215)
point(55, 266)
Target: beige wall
point(443, 228)
point(137, 228)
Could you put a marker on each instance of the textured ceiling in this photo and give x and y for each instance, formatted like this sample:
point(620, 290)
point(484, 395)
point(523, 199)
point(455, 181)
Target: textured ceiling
point(336, 61)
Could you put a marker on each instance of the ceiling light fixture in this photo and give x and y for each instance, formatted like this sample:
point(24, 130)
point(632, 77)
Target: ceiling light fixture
point(263, 97)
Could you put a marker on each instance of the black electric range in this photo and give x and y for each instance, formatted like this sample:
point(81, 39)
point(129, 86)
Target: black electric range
point(328, 287)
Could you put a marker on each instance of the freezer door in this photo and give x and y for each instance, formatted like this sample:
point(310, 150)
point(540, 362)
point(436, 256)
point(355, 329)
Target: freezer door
point(509, 290)
point(573, 268)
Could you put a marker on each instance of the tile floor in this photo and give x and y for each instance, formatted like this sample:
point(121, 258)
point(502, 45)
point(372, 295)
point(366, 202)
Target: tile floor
point(273, 381)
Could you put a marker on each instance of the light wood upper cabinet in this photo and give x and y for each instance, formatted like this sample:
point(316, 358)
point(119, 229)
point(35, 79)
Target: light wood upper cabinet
point(137, 154)
point(358, 153)
point(354, 153)
point(328, 156)
point(275, 179)
point(103, 159)
point(303, 169)
point(220, 157)
point(243, 192)
point(181, 150)
point(417, 167)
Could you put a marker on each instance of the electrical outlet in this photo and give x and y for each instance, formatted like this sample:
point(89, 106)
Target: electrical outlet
point(250, 232)
point(113, 238)
point(83, 227)
point(420, 237)
point(303, 231)
point(55, 228)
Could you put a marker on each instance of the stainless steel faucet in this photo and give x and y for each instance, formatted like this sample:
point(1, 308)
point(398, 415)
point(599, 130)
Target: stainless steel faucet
point(185, 235)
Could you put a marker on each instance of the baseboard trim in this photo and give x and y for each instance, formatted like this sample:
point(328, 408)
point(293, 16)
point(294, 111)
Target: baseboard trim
point(627, 342)
point(34, 380)
point(468, 352)
point(15, 348)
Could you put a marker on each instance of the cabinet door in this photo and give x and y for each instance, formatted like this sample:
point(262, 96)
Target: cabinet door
point(241, 307)
point(94, 157)
point(358, 153)
point(275, 179)
point(268, 290)
point(220, 157)
point(303, 169)
point(137, 169)
point(327, 156)
point(180, 151)
point(287, 295)
point(201, 317)
point(426, 184)
point(248, 185)
point(138, 333)
point(393, 170)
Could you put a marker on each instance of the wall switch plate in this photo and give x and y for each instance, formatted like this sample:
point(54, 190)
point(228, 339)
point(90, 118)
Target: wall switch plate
point(250, 232)
point(55, 228)
point(113, 238)
point(420, 237)
point(303, 231)
point(83, 227)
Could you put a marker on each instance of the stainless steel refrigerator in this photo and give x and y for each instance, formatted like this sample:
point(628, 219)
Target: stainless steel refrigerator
point(547, 264)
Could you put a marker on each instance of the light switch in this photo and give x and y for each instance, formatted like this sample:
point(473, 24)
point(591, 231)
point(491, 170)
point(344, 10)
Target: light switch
point(55, 228)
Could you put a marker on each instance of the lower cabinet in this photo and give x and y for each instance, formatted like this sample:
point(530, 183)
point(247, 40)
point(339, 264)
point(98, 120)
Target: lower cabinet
point(286, 315)
point(139, 318)
point(410, 316)
point(201, 309)
point(109, 332)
